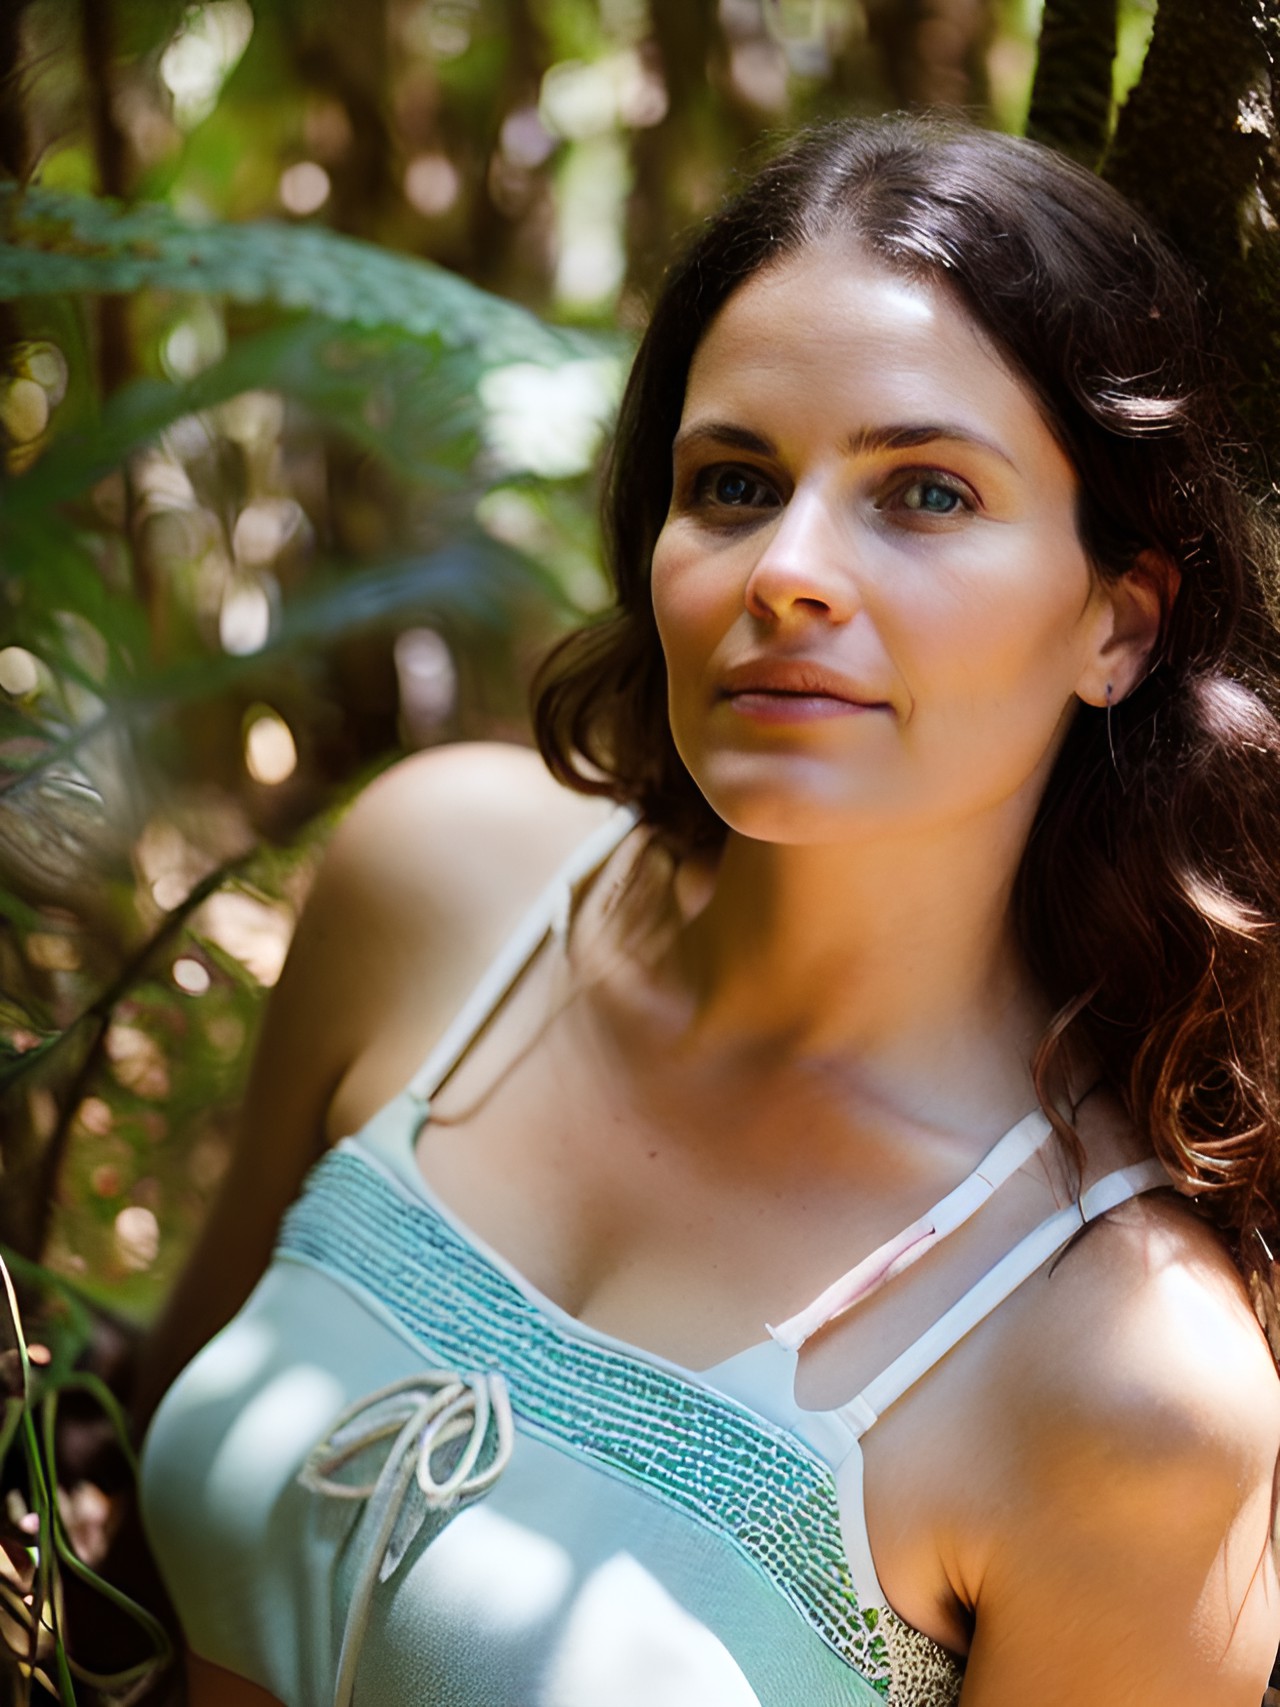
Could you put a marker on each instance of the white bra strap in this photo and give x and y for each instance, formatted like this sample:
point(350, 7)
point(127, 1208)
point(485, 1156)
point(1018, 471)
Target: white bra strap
point(1000, 1163)
point(549, 911)
point(994, 1287)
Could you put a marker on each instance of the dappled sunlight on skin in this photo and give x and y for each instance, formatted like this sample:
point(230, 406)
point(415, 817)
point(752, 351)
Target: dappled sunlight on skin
point(167, 604)
point(181, 539)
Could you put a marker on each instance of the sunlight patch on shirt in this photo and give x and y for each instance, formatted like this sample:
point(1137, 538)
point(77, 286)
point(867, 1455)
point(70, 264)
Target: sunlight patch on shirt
point(498, 1573)
point(265, 1444)
point(629, 1643)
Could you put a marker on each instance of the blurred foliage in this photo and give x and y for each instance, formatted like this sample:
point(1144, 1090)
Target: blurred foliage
point(58, 1530)
point(309, 338)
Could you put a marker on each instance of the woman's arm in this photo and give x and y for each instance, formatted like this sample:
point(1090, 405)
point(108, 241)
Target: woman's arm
point(209, 1685)
point(418, 887)
point(1133, 1563)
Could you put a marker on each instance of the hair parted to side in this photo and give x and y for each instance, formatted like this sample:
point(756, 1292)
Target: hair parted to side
point(1148, 901)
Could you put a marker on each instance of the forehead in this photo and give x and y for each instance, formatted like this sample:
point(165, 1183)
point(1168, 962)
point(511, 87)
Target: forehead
point(832, 327)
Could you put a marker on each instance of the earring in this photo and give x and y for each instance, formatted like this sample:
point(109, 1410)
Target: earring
point(1110, 737)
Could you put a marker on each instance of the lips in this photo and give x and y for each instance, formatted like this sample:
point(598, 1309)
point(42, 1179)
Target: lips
point(798, 679)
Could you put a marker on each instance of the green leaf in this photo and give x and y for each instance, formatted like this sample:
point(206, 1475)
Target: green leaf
point(411, 403)
point(63, 243)
point(51, 568)
point(471, 578)
point(56, 819)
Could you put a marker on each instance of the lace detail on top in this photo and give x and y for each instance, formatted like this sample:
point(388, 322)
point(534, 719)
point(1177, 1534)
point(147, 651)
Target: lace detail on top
point(751, 1482)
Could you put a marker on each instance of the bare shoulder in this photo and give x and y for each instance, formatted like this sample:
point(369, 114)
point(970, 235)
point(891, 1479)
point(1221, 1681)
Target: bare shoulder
point(458, 827)
point(1141, 1410)
point(1155, 1344)
point(420, 885)
point(471, 785)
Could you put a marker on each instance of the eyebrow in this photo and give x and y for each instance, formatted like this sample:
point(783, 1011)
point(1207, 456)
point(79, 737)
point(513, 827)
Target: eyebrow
point(722, 433)
point(904, 436)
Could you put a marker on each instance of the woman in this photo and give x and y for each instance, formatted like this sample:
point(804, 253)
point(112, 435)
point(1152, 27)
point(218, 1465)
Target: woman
point(947, 802)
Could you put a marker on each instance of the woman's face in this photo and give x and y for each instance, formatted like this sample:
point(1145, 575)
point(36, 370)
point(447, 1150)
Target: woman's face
point(874, 605)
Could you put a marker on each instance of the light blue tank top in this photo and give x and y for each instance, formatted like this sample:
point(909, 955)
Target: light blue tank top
point(403, 1477)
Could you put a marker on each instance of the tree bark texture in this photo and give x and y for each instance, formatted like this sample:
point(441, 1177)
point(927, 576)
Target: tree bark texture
point(1196, 148)
point(1071, 95)
point(1186, 149)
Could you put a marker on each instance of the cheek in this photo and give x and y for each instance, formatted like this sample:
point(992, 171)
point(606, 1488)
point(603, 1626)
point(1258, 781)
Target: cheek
point(688, 605)
point(662, 583)
point(1010, 626)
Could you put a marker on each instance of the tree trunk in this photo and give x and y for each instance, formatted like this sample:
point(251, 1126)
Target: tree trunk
point(498, 209)
point(1191, 142)
point(933, 52)
point(1196, 148)
point(15, 145)
point(678, 166)
point(110, 152)
point(1071, 96)
point(351, 66)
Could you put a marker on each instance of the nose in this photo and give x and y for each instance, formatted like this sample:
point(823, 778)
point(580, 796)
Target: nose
point(803, 568)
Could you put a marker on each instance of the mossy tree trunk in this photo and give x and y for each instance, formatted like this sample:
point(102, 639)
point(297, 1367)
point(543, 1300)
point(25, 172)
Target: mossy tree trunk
point(1195, 146)
point(1192, 143)
point(1071, 96)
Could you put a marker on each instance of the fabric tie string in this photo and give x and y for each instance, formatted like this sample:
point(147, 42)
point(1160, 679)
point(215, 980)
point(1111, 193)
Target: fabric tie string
point(424, 1416)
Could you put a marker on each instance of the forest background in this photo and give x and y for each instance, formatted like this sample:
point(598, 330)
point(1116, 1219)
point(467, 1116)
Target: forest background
point(313, 314)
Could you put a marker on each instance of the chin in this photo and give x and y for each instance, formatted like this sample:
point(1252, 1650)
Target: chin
point(801, 807)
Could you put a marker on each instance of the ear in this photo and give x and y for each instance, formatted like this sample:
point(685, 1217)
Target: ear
point(1133, 612)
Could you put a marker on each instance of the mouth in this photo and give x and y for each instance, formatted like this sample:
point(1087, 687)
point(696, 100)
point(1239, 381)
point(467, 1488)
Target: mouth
point(784, 688)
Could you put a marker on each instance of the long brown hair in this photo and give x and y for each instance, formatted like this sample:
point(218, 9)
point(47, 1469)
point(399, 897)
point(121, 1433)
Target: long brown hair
point(1148, 897)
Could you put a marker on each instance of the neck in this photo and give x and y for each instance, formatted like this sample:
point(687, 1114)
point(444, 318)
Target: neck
point(894, 958)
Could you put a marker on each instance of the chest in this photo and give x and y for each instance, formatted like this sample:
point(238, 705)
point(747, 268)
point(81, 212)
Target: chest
point(681, 1211)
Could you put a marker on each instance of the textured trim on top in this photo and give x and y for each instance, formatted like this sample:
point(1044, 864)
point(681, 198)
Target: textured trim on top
point(701, 1453)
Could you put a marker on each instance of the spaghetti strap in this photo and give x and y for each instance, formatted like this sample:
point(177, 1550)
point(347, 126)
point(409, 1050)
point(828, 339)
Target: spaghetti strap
point(996, 1285)
point(549, 914)
point(1000, 1163)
